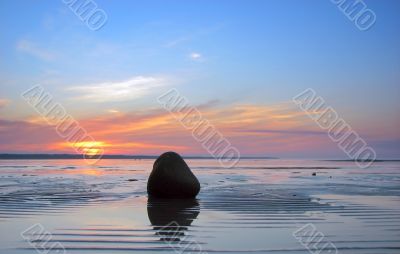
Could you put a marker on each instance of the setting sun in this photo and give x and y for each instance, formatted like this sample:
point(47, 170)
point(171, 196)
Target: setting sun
point(90, 148)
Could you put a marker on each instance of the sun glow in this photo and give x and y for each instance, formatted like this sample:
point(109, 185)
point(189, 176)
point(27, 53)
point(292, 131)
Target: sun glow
point(89, 148)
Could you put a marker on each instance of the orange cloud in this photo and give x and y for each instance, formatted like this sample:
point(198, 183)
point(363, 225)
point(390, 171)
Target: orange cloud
point(252, 128)
point(270, 130)
point(4, 102)
point(117, 148)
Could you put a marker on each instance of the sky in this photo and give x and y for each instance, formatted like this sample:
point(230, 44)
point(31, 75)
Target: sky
point(239, 62)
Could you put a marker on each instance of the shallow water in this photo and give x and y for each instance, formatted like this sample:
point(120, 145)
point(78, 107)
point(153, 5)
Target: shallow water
point(255, 207)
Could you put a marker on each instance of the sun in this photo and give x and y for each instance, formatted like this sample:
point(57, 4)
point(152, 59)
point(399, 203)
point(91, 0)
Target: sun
point(90, 148)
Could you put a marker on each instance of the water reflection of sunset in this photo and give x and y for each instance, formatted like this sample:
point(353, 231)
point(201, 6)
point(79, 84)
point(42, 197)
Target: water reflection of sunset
point(89, 171)
point(72, 171)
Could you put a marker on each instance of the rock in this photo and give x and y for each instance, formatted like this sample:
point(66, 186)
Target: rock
point(172, 178)
point(314, 174)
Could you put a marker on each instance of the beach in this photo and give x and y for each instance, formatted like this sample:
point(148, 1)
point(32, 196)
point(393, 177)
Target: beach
point(199, 127)
point(259, 206)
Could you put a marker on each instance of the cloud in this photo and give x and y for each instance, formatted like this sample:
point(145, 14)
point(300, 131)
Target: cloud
point(114, 111)
point(195, 56)
point(194, 35)
point(32, 49)
point(271, 130)
point(177, 41)
point(23, 136)
point(132, 88)
point(254, 129)
point(288, 132)
point(4, 102)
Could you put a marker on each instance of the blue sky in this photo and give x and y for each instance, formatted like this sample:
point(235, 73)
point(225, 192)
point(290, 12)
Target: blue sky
point(227, 52)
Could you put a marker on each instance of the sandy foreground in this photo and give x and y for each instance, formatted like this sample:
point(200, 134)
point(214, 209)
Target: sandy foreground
point(260, 206)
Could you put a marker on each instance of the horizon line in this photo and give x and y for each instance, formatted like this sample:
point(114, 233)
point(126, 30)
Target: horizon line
point(4, 156)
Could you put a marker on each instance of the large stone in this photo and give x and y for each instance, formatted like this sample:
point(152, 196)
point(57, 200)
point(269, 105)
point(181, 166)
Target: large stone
point(172, 178)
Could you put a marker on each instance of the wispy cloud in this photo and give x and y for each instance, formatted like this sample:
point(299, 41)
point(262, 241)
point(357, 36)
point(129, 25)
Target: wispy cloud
point(195, 56)
point(4, 102)
point(286, 132)
point(132, 88)
point(273, 130)
point(34, 50)
point(177, 41)
point(194, 35)
point(114, 111)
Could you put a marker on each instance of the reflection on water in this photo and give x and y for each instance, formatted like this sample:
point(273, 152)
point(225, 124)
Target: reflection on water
point(170, 218)
point(252, 208)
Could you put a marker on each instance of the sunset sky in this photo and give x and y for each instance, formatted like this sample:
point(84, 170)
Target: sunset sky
point(239, 62)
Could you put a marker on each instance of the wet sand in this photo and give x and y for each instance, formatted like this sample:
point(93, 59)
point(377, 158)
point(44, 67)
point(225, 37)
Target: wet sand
point(253, 208)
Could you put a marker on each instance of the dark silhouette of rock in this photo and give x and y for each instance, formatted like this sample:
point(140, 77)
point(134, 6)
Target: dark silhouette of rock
point(172, 178)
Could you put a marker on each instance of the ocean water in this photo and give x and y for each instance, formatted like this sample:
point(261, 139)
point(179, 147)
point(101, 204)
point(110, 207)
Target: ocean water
point(259, 206)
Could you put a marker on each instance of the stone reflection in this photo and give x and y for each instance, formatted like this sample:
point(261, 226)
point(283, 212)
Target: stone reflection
point(170, 218)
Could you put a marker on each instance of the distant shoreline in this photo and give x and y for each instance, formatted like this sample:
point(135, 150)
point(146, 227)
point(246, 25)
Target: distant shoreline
point(107, 156)
point(7, 156)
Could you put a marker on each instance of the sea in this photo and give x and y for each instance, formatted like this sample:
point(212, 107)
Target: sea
point(257, 206)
